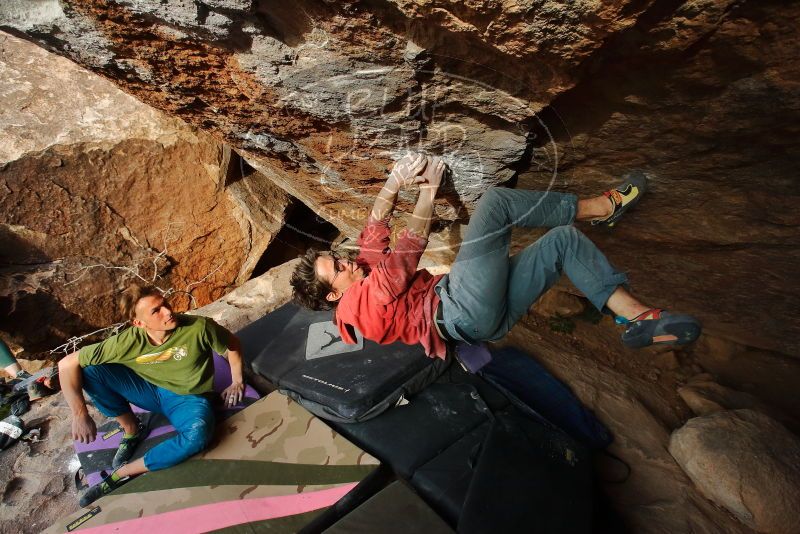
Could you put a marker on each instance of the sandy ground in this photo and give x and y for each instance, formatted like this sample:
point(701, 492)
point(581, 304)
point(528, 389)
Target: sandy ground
point(38, 478)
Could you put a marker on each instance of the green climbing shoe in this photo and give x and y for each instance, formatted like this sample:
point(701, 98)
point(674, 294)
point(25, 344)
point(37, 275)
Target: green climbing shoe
point(103, 488)
point(37, 390)
point(127, 446)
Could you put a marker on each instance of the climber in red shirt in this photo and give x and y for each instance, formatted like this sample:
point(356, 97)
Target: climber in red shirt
point(383, 295)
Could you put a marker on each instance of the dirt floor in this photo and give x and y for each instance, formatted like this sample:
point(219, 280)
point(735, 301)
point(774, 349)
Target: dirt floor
point(38, 477)
point(633, 392)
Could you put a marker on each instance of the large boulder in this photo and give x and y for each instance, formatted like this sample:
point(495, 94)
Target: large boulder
point(745, 462)
point(320, 96)
point(770, 376)
point(99, 190)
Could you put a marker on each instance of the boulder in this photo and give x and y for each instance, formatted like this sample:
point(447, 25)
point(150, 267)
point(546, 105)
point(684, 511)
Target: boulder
point(320, 96)
point(253, 299)
point(745, 462)
point(705, 397)
point(100, 190)
point(770, 376)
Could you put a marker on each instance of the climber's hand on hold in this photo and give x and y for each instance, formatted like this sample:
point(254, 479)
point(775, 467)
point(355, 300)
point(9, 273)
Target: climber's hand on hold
point(434, 171)
point(406, 171)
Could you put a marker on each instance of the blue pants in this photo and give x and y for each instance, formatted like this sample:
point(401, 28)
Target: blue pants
point(487, 291)
point(113, 387)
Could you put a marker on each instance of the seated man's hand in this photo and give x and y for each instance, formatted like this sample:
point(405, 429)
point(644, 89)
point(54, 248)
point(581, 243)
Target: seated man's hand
point(406, 171)
point(434, 171)
point(233, 394)
point(83, 428)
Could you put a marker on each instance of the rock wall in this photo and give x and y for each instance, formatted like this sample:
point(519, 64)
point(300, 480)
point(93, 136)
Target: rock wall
point(320, 96)
point(706, 97)
point(98, 190)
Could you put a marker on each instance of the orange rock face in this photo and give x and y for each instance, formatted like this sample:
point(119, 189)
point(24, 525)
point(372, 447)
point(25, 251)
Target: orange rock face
point(100, 191)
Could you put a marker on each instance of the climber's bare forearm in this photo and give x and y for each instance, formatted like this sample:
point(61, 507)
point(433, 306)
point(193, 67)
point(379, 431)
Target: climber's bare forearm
point(385, 202)
point(422, 216)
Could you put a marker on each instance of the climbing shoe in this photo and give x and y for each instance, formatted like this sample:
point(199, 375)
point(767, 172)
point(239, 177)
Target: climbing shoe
point(109, 484)
point(659, 327)
point(127, 446)
point(37, 385)
point(37, 390)
point(624, 197)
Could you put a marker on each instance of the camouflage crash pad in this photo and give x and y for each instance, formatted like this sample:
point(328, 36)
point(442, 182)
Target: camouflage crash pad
point(273, 466)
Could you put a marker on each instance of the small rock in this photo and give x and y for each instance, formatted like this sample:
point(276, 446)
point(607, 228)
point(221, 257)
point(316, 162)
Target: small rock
point(559, 303)
point(416, 56)
point(745, 462)
point(702, 377)
point(667, 361)
point(705, 398)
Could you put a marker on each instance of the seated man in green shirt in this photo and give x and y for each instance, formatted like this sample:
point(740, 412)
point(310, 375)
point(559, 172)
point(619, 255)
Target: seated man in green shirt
point(162, 363)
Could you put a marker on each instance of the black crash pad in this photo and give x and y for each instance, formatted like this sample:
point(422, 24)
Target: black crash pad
point(301, 353)
point(437, 441)
point(528, 478)
point(396, 509)
point(436, 437)
point(412, 434)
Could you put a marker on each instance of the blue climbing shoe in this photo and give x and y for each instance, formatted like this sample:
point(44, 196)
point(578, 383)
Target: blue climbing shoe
point(660, 327)
point(624, 197)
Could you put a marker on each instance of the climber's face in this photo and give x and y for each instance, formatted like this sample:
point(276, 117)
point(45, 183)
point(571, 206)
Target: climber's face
point(153, 313)
point(339, 273)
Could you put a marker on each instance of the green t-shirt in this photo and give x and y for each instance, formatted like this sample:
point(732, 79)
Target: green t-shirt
point(183, 364)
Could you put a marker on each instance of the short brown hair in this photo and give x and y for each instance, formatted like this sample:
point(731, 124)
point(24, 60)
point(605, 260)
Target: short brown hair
point(309, 290)
point(133, 294)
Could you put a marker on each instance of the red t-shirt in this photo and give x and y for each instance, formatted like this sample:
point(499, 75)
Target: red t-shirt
point(395, 301)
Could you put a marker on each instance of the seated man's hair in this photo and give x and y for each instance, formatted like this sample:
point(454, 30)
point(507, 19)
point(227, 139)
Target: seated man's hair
point(131, 295)
point(308, 290)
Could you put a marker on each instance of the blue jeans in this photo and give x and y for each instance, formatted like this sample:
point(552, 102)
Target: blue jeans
point(487, 292)
point(113, 387)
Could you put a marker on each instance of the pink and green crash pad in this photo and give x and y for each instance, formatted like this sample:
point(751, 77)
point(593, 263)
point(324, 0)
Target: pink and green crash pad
point(272, 466)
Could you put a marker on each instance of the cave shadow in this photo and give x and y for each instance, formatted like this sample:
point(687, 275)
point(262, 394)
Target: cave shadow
point(35, 320)
point(294, 238)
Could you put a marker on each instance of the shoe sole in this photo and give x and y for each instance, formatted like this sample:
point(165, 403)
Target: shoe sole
point(670, 330)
